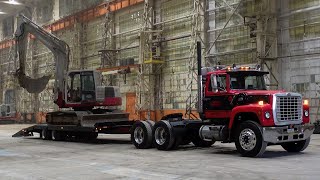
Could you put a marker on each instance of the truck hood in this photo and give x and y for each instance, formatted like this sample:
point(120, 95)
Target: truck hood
point(259, 92)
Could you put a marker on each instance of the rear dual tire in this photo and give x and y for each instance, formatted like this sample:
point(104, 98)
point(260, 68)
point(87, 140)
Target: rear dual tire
point(141, 134)
point(164, 138)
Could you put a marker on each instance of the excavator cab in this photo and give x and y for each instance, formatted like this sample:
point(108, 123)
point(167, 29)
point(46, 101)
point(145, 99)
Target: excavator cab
point(81, 87)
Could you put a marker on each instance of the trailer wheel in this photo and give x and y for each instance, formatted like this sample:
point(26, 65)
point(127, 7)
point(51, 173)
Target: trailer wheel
point(45, 134)
point(57, 135)
point(249, 140)
point(163, 136)
point(141, 135)
point(296, 146)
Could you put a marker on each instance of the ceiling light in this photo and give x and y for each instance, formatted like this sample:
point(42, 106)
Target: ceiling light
point(13, 2)
point(1, 12)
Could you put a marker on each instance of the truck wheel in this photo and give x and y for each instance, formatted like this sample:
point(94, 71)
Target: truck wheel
point(296, 146)
point(163, 135)
point(152, 123)
point(249, 140)
point(141, 135)
point(45, 134)
point(57, 135)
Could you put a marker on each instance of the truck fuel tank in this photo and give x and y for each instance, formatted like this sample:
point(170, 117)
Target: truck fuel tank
point(213, 132)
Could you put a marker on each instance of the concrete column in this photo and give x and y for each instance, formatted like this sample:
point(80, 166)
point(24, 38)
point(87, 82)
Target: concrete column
point(56, 10)
point(267, 40)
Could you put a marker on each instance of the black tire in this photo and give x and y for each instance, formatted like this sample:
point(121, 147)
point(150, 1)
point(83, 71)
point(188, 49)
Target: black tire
point(58, 135)
point(141, 135)
point(252, 143)
point(198, 142)
point(163, 137)
point(296, 146)
point(45, 134)
point(152, 123)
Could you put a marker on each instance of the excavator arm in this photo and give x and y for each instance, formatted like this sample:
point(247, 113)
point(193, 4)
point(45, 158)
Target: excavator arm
point(59, 48)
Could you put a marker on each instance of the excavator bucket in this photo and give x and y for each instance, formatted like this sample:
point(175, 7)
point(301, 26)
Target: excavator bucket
point(33, 85)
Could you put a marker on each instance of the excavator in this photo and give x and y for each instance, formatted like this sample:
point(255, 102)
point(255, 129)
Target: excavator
point(79, 90)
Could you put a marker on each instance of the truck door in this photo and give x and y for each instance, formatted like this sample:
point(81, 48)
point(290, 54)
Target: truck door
point(217, 97)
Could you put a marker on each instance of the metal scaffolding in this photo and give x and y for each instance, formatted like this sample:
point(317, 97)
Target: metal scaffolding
point(192, 86)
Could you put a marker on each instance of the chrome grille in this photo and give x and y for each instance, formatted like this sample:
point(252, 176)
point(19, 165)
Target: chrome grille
point(288, 108)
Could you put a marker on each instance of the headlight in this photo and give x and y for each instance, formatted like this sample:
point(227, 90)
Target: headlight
point(267, 115)
point(306, 113)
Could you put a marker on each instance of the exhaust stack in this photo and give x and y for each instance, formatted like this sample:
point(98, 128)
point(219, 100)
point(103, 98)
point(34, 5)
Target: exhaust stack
point(200, 87)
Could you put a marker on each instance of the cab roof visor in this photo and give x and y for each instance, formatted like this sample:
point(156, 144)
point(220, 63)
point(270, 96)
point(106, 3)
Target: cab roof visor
point(252, 72)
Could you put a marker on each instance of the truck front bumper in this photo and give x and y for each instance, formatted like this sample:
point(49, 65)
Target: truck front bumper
point(283, 134)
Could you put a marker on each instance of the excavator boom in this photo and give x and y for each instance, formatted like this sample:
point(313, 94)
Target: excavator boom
point(59, 48)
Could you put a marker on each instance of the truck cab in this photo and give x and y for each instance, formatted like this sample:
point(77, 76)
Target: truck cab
point(238, 108)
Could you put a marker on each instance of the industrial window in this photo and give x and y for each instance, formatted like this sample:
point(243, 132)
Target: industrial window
point(9, 97)
point(130, 21)
point(301, 87)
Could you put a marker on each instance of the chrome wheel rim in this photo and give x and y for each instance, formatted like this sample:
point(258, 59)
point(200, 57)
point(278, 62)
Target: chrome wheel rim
point(160, 135)
point(247, 139)
point(138, 135)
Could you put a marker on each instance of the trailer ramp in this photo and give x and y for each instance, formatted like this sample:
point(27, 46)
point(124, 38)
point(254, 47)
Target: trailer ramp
point(30, 130)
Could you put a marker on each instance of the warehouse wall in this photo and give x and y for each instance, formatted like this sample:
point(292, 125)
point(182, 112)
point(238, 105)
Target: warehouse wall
point(234, 44)
point(299, 48)
point(297, 43)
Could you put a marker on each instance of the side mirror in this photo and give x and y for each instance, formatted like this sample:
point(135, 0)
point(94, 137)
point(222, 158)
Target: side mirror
point(214, 83)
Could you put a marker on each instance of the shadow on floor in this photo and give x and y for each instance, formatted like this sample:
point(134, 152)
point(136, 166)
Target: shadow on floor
point(93, 142)
point(215, 149)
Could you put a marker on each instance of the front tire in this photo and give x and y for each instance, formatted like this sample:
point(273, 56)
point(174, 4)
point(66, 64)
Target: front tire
point(296, 146)
point(141, 135)
point(249, 140)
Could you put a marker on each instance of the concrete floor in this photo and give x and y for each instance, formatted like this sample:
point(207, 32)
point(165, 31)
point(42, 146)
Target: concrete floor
point(114, 157)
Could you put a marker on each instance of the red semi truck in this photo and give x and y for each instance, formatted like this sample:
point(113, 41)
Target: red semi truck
point(234, 106)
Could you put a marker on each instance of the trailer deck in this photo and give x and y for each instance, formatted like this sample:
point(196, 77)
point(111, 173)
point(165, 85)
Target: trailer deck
point(107, 127)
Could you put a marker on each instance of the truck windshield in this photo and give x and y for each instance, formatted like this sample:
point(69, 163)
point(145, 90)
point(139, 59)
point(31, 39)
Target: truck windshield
point(253, 82)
